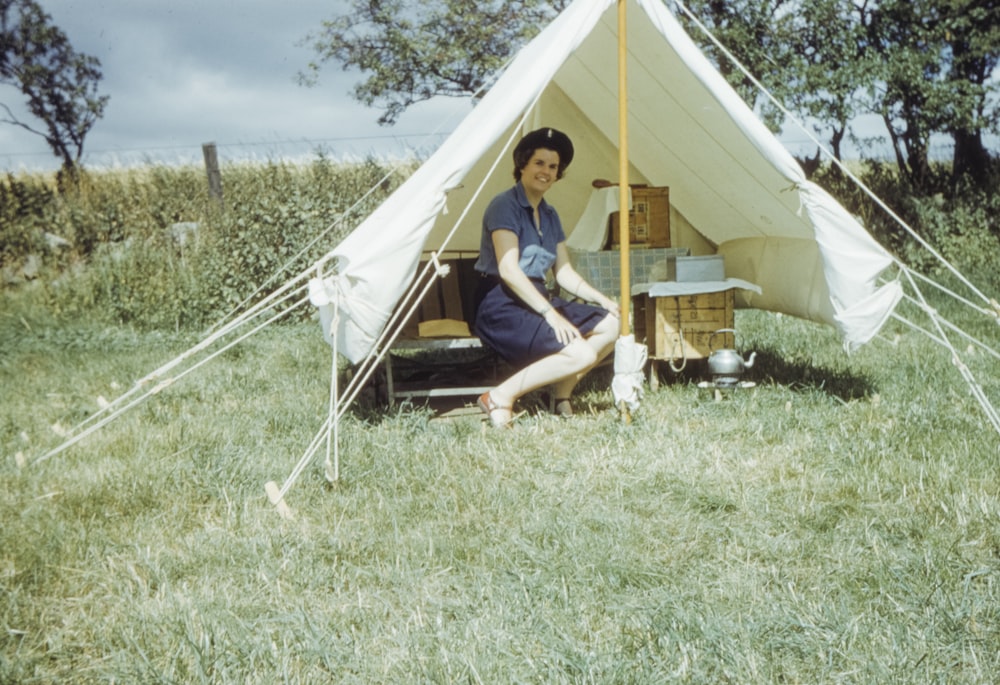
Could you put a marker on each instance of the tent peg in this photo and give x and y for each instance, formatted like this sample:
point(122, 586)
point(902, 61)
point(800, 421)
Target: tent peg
point(278, 500)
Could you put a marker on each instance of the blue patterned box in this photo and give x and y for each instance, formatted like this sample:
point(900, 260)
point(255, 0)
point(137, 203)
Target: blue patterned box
point(602, 269)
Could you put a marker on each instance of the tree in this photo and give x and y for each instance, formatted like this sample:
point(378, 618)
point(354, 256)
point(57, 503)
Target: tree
point(412, 51)
point(830, 71)
point(909, 92)
point(936, 61)
point(972, 34)
point(60, 84)
point(758, 34)
point(804, 52)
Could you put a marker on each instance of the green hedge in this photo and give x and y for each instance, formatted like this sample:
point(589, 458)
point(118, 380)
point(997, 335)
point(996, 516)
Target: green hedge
point(125, 267)
point(124, 264)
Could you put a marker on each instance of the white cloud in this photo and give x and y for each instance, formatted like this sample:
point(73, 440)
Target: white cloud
point(183, 72)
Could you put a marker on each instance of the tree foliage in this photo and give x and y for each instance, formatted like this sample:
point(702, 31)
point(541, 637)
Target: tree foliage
point(410, 51)
point(932, 67)
point(925, 67)
point(758, 35)
point(59, 84)
point(911, 92)
point(827, 71)
point(974, 39)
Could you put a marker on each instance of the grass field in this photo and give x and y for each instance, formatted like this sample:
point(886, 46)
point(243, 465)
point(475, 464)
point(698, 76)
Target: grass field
point(838, 523)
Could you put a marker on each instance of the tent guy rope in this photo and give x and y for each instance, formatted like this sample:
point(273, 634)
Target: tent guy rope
point(163, 384)
point(128, 400)
point(833, 159)
point(283, 294)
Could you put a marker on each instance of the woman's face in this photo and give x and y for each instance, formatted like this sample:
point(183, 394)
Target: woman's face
point(541, 171)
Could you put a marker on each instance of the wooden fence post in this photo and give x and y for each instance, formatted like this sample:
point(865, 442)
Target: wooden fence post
point(212, 168)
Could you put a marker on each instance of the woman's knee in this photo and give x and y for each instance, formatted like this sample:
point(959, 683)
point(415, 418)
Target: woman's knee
point(607, 328)
point(609, 324)
point(581, 354)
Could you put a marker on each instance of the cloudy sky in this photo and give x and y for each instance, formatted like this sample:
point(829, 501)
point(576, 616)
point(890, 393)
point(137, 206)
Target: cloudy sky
point(181, 73)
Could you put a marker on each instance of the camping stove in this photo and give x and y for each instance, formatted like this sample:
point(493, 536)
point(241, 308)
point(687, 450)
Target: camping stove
point(715, 385)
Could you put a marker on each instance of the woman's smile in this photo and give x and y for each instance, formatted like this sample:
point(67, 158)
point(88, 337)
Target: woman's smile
point(541, 171)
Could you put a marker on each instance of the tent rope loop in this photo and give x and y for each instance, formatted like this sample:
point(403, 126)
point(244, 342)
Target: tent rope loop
point(441, 270)
point(800, 189)
point(678, 342)
point(683, 356)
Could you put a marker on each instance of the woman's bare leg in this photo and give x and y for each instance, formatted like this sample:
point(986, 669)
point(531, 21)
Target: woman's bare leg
point(564, 368)
point(602, 340)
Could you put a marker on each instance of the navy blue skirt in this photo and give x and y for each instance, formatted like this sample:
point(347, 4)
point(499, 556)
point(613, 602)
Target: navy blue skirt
point(517, 332)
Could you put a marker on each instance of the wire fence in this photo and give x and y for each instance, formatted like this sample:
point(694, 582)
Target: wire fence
point(390, 146)
point(345, 149)
point(876, 150)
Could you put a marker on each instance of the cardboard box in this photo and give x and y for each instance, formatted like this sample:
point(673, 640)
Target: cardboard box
point(649, 218)
point(677, 328)
point(702, 268)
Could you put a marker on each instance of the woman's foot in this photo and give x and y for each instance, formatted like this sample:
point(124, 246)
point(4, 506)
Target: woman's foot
point(500, 416)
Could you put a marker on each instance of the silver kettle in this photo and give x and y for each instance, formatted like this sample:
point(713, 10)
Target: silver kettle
point(727, 366)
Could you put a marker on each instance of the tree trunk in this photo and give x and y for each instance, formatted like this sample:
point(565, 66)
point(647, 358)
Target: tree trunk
point(918, 163)
point(836, 141)
point(970, 158)
point(904, 172)
point(68, 177)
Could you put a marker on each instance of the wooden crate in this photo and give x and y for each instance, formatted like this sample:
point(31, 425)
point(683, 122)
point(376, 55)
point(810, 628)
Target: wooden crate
point(649, 218)
point(680, 327)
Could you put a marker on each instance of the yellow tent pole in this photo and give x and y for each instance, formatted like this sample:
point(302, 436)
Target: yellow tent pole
point(623, 197)
point(623, 192)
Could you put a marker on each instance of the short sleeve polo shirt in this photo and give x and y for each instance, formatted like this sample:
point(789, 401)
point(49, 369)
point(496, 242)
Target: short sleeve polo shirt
point(511, 210)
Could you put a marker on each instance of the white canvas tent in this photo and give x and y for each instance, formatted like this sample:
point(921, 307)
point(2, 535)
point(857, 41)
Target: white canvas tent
point(733, 187)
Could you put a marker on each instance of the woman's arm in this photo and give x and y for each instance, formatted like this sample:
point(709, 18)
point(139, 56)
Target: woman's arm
point(572, 282)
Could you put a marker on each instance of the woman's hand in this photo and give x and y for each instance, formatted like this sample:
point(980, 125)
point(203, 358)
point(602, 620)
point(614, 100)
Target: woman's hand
point(576, 285)
point(564, 330)
point(611, 305)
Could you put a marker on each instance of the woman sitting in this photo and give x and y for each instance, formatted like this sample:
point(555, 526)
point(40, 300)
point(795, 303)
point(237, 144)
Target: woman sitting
point(549, 340)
